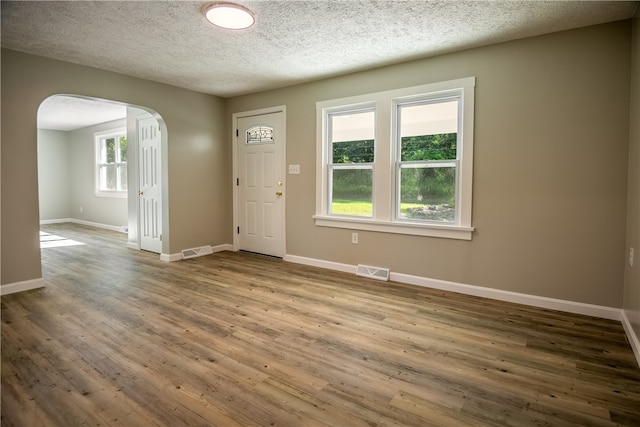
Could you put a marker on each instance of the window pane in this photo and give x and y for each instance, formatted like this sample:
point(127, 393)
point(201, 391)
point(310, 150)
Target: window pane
point(352, 126)
point(123, 149)
point(122, 170)
point(260, 135)
point(429, 147)
point(352, 137)
point(429, 131)
point(428, 193)
point(352, 192)
point(108, 178)
point(353, 152)
point(110, 145)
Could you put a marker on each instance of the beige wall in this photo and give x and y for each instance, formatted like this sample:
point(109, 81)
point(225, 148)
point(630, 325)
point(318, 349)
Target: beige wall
point(550, 171)
point(198, 157)
point(632, 274)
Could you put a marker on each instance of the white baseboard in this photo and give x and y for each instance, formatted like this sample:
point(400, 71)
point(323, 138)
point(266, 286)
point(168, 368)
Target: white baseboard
point(223, 247)
point(631, 336)
point(171, 257)
point(83, 222)
point(55, 221)
point(515, 297)
point(27, 285)
point(345, 268)
point(496, 294)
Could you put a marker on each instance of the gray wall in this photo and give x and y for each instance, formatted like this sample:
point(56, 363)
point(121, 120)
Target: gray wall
point(99, 209)
point(198, 167)
point(66, 177)
point(550, 167)
point(54, 174)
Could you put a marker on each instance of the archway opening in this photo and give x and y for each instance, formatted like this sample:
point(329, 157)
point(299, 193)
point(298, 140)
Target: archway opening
point(90, 155)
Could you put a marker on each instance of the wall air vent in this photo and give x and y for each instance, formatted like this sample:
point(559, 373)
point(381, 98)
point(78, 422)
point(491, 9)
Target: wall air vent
point(378, 273)
point(194, 252)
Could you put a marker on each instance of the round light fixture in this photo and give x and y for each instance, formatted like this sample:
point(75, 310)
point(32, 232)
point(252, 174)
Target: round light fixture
point(229, 15)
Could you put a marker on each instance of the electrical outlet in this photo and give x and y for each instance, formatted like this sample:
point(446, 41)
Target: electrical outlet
point(354, 238)
point(631, 257)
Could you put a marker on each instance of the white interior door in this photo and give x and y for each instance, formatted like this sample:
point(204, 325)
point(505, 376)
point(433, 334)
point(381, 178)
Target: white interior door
point(261, 187)
point(150, 193)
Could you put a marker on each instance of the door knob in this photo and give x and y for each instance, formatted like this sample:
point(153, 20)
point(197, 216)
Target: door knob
point(140, 193)
point(278, 193)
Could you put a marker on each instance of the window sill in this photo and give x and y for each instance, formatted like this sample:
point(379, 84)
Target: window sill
point(427, 230)
point(114, 194)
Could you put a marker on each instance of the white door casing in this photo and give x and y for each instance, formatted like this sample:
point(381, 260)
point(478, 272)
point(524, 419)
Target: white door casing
point(260, 183)
point(150, 179)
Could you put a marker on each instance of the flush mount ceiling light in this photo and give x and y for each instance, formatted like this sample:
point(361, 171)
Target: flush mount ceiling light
point(229, 15)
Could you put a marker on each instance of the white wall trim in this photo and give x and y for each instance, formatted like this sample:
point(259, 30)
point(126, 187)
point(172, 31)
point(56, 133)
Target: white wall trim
point(83, 222)
point(345, 268)
point(631, 336)
point(171, 257)
point(55, 221)
point(508, 296)
point(221, 248)
point(27, 285)
point(496, 294)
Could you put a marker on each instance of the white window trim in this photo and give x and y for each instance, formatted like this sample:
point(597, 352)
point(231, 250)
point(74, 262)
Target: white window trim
point(98, 136)
point(384, 180)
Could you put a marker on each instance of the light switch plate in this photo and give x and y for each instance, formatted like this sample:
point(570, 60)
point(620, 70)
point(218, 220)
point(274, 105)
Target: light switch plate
point(294, 169)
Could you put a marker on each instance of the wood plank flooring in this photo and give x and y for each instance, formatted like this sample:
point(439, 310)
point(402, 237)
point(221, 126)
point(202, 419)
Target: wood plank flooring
point(119, 338)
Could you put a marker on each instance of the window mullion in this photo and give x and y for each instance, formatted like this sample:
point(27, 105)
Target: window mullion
point(383, 171)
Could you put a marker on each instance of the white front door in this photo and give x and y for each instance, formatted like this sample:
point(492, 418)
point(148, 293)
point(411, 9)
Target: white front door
point(260, 143)
point(150, 193)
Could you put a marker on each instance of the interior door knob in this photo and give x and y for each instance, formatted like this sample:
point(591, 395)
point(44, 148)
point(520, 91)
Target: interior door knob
point(278, 193)
point(140, 193)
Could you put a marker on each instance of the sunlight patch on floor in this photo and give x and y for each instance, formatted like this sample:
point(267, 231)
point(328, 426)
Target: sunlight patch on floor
point(52, 241)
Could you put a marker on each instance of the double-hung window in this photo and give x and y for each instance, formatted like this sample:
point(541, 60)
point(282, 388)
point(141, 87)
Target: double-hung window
point(111, 163)
point(351, 145)
point(398, 161)
point(427, 159)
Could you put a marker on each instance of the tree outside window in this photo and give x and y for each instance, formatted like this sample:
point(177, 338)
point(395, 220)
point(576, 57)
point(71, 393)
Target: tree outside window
point(111, 162)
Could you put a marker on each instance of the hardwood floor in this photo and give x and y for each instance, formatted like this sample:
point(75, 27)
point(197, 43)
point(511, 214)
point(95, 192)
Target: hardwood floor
point(119, 338)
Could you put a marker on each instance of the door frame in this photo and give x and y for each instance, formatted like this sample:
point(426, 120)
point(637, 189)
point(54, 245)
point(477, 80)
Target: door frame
point(234, 138)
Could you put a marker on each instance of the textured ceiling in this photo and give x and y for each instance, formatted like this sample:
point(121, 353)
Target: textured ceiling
point(68, 112)
point(291, 42)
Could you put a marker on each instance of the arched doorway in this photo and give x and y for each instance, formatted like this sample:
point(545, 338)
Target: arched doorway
point(100, 164)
